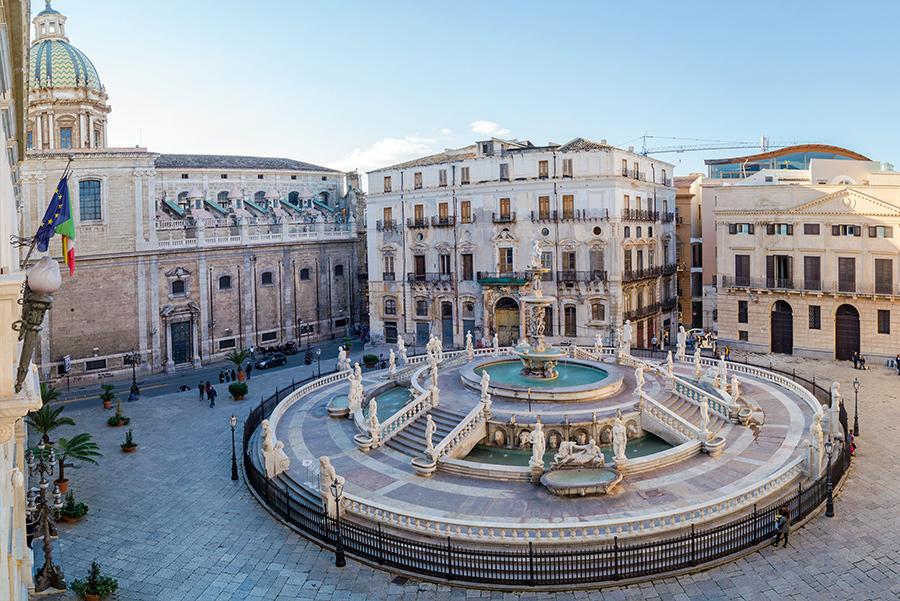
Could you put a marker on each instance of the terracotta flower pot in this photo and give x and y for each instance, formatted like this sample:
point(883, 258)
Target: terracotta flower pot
point(69, 519)
point(90, 597)
point(63, 485)
point(239, 398)
point(241, 375)
point(129, 449)
point(107, 404)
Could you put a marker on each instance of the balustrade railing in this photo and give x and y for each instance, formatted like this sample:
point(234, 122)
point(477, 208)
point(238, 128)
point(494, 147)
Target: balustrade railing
point(405, 416)
point(468, 426)
point(805, 285)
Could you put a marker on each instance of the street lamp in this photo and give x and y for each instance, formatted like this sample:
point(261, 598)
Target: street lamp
point(855, 406)
point(829, 486)
point(319, 361)
point(234, 475)
point(337, 487)
point(133, 358)
point(39, 513)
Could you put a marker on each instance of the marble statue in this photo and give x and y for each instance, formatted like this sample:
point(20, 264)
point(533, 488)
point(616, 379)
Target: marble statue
point(639, 379)
point(401, 349)
point(470, 349)
point(670, 366)
point(627, 335)
point(704, 418)
point(818, 436)
point(434, 373)
point(830, 416)
point(328, 476)
point(571, 454)
point(268, 437)
point(538, 446)
point(698, 371)
point(280, 461)
point(357, 371)
point(499, 438)
point(485, 385)
point(374, 426)
point(735, 388)
point(809, 458)
point(598, 344)
point(353, 400)
point(495, 343)
point(430, 429)
point(343, 362)
point(680, 343)
point(723, 371)
point(619, 437)
point(536, 254)
point(392, 363)
point(836, 397)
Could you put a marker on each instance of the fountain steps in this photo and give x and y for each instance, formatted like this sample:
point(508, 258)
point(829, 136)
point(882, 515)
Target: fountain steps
point(411, 440)
point(691, 412)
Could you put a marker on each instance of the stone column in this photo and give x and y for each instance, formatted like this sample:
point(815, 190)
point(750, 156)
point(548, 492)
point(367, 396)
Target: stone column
point(138, 209)
point(155, 324)
point(170, 364)
point(39, 132)
point(198, 338)
point(51, 134)
point(90, 120)
point(203, 283)
point(141, 294)
point(152, 208)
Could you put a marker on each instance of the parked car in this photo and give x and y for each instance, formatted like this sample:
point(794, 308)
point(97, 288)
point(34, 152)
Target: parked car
point(271, 361)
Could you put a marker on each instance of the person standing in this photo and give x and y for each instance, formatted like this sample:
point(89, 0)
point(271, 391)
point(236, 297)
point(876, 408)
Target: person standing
point(855, 359)
point(202, 389)
point(211, 394)
point(897, 363)
point(248, 369)
point(233, 376)
point(221, 377)
point(782, 525)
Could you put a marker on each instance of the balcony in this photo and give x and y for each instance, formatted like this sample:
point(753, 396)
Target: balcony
point(504, 217)
point(503, 278)
point(848, 287)
point(416, 222)
point(645, 311)
point(667, 217)
point(467, 218)
point(569, 276)
point(666, 181)
point(633, 275)
point(669, 303)
point(387, 225)
point(639, 215)
point(428, 278)
point(446, 221)
point(388, 276)
point(551, 216)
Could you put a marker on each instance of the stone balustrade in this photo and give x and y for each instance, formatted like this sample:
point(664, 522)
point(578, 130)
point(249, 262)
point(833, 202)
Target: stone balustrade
point(414, 409)
point(473, 425)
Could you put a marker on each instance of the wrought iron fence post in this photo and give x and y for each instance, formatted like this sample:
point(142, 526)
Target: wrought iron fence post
point(616, 575)
point(693, 547)
point(380, 546)
point(755, 525)
point(287, 503)
point(530, 563)
point(799, 500)
point(449, 560)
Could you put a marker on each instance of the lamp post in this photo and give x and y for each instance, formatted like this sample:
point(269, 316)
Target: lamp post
point(319, 362)
point(42, 281)
point(829, 485)
point(134, 358)
point(337, 488)
point(234, 474)
point(855, 406)
point(39, 513)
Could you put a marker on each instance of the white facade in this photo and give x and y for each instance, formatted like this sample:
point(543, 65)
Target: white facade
point(450, 235)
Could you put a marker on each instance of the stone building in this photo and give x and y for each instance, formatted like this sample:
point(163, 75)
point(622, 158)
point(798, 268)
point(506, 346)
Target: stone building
point(688, 250)
point(451, 234)
point(15, 556)
point(180, 258)
point(808, 259)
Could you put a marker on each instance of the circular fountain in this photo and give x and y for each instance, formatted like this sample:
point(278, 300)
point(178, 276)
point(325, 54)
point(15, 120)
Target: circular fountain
point(539, 359)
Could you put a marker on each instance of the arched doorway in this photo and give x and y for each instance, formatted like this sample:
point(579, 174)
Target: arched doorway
point(447, 324)
point(506, 321)
point(782, 325)
point(846, 332)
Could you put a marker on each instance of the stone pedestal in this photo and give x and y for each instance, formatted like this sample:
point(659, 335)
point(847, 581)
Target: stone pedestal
point(536, 472)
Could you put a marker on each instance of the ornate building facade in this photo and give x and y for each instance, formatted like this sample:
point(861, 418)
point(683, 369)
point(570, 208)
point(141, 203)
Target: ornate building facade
point(451, 234)
point(180, 258)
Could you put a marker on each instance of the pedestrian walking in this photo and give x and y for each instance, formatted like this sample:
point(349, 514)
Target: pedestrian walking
point(252, 351)
point(212, 394)
point(248, 369)
point(782, 525)
point(221, 376)
point(233, 376)
point(855, 358)
point(202, 389)
point(897, 363)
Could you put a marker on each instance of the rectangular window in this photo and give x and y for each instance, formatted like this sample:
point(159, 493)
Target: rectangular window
point(387, 183)
point(29, 141)
point(504, 208)
point(884, 321)
point(543, 207)
point(740, 228)
point(417, 180)
point(89, 200)
point(881, 231)
point(505, 260)
point(568, 260)
point(743, 335)
point(846, 274)
point(815, 317)
point(779, 271)
point(419, 213)
point(627, 256)
point(442, 177)
point(624, 167)
point(464, 175)
point(445, 264)
point(227, 343)
point(743, 312)
point(742, 270)
point(260, 176)
point(95, 364)
point(388, 216)
point(443, 211)
point(568, 206)
point(504, 172)
point(627, 201)
point(223, 176)
point(567, 167)
point(269, 336)
point(846, 230)
point(543, 169)
point(812, 273)
point(547, 263)
point(636, 171)
point(65, 137)
point(467, 267)
point(465, 211)
point(419, 262)
point(780, 229)
point(811, 229)
point(884, 276)
point(421, 308)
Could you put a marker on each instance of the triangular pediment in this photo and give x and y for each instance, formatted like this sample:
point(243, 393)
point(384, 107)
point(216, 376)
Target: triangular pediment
point(847, 202)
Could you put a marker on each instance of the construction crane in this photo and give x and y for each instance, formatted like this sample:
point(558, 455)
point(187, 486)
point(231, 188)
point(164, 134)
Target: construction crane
point(763, 145)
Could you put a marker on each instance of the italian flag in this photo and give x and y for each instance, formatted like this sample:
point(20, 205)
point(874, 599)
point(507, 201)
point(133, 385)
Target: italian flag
point(58, 219)
point(66, 229)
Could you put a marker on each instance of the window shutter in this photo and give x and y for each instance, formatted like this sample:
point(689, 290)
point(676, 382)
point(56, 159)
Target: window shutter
point(835, 230)
point(750, 225)
point(889, 231)
point(732, 228)
point(789, 276)
point(770, 229)
point(873, 233)
point(770, 267)
point(857, 230)
point(790, 229)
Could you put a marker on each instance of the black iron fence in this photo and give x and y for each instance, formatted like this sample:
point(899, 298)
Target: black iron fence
point(528, 565)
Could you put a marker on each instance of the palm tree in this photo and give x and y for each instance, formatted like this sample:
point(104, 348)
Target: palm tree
point(46, 419)
point(78, 448)
point(238, 358)
point(48, 393)
point(107, 396)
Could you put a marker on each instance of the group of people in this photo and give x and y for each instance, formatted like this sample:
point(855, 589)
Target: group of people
point(209, 391)
point(226, 375)
point(859, 361)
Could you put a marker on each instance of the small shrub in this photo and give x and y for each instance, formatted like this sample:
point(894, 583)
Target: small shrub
point(370, 360)
point(95, 584)
point(238, 389)
point(71, 509)
point(129, 440)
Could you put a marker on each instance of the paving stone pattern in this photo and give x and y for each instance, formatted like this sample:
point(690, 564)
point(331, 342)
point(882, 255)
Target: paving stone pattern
point(171, 526)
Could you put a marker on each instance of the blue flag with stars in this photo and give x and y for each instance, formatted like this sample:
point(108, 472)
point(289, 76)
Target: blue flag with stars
point(58, 212)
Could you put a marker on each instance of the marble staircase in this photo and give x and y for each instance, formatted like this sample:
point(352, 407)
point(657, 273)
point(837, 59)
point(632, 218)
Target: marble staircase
point(411, 440)
point(691, 413)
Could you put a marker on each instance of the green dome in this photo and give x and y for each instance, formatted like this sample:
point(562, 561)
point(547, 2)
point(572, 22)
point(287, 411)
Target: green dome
point(55, 63)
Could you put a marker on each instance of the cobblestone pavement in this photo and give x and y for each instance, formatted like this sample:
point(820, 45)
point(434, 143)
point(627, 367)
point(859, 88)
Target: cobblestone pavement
point(171, 526)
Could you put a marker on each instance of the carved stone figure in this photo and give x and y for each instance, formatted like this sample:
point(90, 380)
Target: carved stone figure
point(670, 366)
point(495, 343)
point(434, 373)
point(327, 476)
point(524, 439)
point(485, 385)
point(680, 343)
point(704, 418)
point(499, 438)
point(280, 462)
point(392, 363)
point(698, 370)
point(470, 349)
point(268, 437)
point(639, 379)
point(343, 362)
point(553, 440)
point(735, 388)
point(538, 446)
point(581, 437)
point(723, 371)
point(619, 437)
point(353, 397)
point(374, 425)
point(818, 436)
point(598, 343)
point(536, 254)
point(401, 350)
point(571, 454)
point(357, 372)
point(627, 336)
point(430, 429)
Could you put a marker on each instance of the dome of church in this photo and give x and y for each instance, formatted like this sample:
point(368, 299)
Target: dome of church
point(55, 63)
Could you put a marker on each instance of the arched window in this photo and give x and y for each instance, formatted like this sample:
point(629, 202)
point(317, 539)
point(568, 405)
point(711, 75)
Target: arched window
point(89, 200)
point(650, 231)
point(637, 233)
point(323, 196)
point(294, 198)
point(628, 231)
point(183, 201)
point(390, 306)
point(222, 199)
point(178, 287)
point(260, 198)
point(225, 282)
point(598, 311)
point(304, 273)
point(338, 270)
point(266, 278)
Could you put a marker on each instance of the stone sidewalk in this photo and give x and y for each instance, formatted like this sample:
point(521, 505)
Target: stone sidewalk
point(171, 526)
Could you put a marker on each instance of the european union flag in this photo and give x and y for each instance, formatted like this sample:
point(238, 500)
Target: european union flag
point(57, 212)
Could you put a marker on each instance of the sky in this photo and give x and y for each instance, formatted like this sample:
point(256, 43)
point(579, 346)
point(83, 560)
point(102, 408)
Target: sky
point(360, 85)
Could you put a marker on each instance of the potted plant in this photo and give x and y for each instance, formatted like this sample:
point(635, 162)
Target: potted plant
point(46, 419)
point(96, 586)
point(48, 393)
point(107, 396)
point(238, 358)
point(348, 344)
point(308, 358)
point(118, 419)
point(129, 446)
point(78, 448)
point(72, 511)
point(370, 360)
point(238, 390)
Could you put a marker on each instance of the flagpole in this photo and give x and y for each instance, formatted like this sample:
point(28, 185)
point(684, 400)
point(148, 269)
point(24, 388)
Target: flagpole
point(66, 173)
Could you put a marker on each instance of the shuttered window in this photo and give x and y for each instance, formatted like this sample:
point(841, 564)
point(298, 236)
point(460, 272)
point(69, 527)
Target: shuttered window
point(742, 270)
point(846, 274)
point(812, 273)
point(884, 276)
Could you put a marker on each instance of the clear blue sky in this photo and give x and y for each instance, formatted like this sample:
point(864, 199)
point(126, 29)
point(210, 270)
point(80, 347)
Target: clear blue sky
point(364, 84)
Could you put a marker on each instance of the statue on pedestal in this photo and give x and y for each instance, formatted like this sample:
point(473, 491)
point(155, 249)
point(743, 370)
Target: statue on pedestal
point(680, 343)
point(639, 380)
point(357, 371)
point(619, 437)
point(430, 429)
point(536, 262)
point(735, 388)
point(374, 425)
point(698, 371)
point(280, 461)
point(723, 371)
point(343, 362)
point(401, 349)
point(470, 349)
point(627, 335)
point(392, 363)
point(538, 446)
point(818, 436)
point(327, 475)
point(704, 418)
point(495, 342)
point(598, 344)
point(485, 384)
point(572, 454)
point(670, 366)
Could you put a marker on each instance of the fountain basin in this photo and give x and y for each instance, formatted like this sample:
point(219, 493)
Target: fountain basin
point(577, 380)
point(581, 481)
